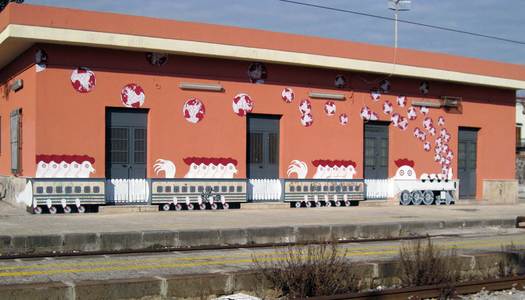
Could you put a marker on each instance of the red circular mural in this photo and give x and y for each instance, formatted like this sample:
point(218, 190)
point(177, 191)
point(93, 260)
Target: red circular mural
point(242, 104)
point(193, 110)
point(329, 108)
point(83, 80)
point(132, 95)
point(287, 95)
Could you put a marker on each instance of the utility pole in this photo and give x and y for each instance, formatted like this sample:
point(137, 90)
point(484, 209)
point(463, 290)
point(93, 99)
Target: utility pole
point(397, 6)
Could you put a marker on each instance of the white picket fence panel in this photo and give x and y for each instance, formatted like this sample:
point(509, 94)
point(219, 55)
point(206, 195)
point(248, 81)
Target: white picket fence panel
point(378, 188)
point(264, 189)
point(129, 191)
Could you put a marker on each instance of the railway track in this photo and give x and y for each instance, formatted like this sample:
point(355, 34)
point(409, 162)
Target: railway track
point(434, 291)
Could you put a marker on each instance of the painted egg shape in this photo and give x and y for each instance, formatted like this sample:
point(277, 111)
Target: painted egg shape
point(305, 106)
point(329, 108)
point(287, 95)
point(343, 119)
point(307, 120)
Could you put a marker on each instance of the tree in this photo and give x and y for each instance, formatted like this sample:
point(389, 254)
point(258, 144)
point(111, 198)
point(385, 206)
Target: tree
point(3, 3)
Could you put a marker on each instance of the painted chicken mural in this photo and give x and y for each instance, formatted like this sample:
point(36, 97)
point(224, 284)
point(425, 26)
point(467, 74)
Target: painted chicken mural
point(193, 110)
point(242, 104)
point(199, 167)
point(325, 169)
point(64, 166)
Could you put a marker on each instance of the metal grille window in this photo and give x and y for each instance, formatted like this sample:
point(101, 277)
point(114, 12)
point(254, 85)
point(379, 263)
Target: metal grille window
point(273, 143)
point(139, 152)
point(119, 145)
point(15, 130)
point(256, 140)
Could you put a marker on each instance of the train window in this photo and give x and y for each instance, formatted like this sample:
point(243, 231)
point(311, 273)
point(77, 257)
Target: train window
point(239, 189)
point(200, 189)
point(78, 190)
point(168, 189)
point(305, 188)
point(96, 189)
point(231, 189)
point(216, 188)
point(192, 189)
point(356, 188)
point(184, 189)
point(224, 189)
point(69, 190)
point(49, 189)
point(292, 188)
point(345, 188)
point(87, 189)
point(351, 188)
point(159, 189)
point(59, 189)
point(338, 188)
point(39, 190)
point(299, 188)
point(175, 189)
point(325, 188)
point(332, 188)
point(208, 189)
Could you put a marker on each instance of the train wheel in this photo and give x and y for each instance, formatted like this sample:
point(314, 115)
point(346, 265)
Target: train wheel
point(53, 210)
point(428, 197)
point(297, 204)
point(190, 206)
point(214, 206)
point(166, 207)
point(178, 207)
point(225, 206)
point(405, 198)
point(308, 204)
point(337, 203)
point(347, 203)
point(417, 197)
point(318, 204)
point(81, 209)
point(202, 206)
point(67, 209)
point(328, 204)
point(37, 210)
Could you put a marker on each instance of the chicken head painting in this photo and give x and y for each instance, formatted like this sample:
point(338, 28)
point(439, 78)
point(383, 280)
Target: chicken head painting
point(64, 166)
point(405, 169)
point(132, 95)
point(204, 167)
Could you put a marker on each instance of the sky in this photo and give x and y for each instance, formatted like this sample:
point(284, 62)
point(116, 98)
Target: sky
point(502, 18)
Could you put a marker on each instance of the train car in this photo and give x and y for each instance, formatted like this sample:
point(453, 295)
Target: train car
point(179, 194)
point(62, 195)
point(323, 192)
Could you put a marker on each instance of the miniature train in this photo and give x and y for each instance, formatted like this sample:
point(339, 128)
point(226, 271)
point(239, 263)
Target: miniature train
point(87, 194)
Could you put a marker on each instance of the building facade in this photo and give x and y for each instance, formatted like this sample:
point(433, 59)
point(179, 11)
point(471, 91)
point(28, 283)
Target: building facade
point(85, 96)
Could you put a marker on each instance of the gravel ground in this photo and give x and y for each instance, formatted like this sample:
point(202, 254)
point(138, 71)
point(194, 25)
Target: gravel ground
point(512, 294)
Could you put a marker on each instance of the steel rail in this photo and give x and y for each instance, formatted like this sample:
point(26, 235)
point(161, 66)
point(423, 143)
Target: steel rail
point(434, 291)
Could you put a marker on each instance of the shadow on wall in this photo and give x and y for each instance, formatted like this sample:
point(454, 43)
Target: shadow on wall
point(13, 190)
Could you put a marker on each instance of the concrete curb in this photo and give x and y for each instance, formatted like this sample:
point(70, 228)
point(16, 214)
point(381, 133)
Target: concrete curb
point(203, 286)
point(53, 244)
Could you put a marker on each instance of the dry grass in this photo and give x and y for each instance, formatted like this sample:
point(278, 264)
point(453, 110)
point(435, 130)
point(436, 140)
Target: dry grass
point(308, 271)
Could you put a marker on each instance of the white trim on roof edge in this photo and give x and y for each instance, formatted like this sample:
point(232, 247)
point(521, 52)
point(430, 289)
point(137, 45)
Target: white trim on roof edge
point(143, 43)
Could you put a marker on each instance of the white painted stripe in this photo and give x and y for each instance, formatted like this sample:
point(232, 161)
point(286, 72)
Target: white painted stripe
point(142, 43)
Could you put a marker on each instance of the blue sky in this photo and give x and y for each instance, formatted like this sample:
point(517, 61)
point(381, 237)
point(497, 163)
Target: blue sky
point(503, 18)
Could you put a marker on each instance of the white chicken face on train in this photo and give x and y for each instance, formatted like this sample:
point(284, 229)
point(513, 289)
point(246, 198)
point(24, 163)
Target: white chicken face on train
point(85, 170)
point(63, 169)
point(53, 168)
point(405, 172)
point(230, 171)
point(41, 169)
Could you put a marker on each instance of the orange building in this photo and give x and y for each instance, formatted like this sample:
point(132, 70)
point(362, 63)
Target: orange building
point(88, 94)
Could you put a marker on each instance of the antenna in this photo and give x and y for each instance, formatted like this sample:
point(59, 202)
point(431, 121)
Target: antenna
point(397, 6)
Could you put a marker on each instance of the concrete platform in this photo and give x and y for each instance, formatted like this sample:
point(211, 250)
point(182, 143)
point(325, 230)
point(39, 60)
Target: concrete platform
point(25, 234)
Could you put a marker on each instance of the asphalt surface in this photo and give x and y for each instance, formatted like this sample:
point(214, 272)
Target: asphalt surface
point(214, 261)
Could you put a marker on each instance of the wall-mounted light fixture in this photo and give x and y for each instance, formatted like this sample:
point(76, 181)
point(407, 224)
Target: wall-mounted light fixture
point(17, 85)
point(427, 103)
point(201, 86)
point(317, 95)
